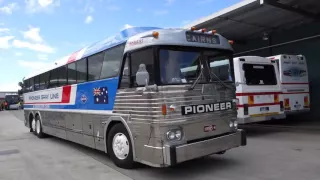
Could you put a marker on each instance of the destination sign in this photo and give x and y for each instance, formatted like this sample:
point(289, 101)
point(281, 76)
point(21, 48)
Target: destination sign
point(202, 38)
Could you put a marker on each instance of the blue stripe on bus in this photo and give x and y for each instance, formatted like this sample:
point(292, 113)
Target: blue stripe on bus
point(85, 98)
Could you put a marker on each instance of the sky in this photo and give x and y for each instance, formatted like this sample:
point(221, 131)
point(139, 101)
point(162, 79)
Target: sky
point(36, 33)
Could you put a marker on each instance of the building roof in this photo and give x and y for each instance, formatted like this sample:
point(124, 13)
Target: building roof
point(251, 18)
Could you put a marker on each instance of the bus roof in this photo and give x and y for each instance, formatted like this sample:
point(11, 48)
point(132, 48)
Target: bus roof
point(109, 42)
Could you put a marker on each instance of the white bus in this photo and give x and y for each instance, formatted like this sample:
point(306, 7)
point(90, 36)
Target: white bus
point(294, 82)
point(126, 96)
point(258, 88)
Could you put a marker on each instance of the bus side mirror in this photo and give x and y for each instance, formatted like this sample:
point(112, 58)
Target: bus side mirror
point(142, 75)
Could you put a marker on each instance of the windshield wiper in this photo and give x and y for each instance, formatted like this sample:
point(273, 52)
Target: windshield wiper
point(197, 80)
point(219, 80)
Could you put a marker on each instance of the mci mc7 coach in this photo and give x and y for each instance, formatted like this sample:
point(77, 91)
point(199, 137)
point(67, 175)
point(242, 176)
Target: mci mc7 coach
point(127, 96)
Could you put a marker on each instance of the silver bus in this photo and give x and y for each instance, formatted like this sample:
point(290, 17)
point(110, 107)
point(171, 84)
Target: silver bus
point(127, 96)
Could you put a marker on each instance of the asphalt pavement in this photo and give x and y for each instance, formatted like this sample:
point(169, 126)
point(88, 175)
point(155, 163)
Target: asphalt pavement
point(271, 154)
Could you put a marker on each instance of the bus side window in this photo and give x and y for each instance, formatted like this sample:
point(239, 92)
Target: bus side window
point(54, 76)
point(125, 79)
point(112, 62)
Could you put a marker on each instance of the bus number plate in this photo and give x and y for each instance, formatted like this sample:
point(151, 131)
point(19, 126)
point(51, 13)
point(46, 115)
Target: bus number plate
point(209, 128)
point(202, 38)
point(264, 109)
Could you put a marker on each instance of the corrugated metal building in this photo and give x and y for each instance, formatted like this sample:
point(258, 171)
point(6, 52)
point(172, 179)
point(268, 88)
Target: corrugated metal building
point(3, 94)
point(271, 27)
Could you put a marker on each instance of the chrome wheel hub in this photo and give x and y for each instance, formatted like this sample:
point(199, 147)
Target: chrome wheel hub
point(33, 124)
point(120, 146)
point(38, 127)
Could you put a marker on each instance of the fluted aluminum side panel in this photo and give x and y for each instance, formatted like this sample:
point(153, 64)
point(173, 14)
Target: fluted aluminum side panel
point(147, 105)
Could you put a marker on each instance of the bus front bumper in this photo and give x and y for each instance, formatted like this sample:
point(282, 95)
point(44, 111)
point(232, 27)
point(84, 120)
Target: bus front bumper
point(260, 118)
point(177, 154)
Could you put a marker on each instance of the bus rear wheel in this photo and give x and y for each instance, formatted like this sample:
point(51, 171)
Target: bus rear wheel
point(120, 147)
point(38, 128)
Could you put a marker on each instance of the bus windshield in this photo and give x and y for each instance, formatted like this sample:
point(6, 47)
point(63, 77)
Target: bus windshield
point(12, 99)
point(184, 66)
point(259, 74)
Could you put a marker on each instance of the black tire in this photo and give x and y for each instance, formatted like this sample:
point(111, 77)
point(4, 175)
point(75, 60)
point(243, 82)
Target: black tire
point(128, 162)
point(40, 134)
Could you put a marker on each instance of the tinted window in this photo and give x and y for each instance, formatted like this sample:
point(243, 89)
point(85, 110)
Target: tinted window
point(62, 75)
point(44, 80)
point(72, 73)
point(258, 74)
point(81, 70)
point(94, 66)
point(36, 83)
point(54, 75)
point(112, 62)
point(142, 57)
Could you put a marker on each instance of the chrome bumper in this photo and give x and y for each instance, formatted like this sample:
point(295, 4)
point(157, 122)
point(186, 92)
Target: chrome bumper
point(260, 118)
point(177, 154)
point(291, 112)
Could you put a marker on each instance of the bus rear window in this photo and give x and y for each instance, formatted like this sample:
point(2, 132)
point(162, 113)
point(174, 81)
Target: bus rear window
point(259, 74)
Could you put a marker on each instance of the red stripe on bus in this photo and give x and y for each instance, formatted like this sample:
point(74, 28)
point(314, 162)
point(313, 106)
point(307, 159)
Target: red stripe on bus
point(257, 93)
point(293, 83)
point(73, 57)
point(261, 104)
point(66, 91)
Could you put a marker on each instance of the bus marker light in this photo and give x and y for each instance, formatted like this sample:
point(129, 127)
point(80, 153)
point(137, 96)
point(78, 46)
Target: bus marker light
point(193, 28)
point(164, 109)
point(155, 34)
point(276, 98)
point(203, 30)
point(251, 99)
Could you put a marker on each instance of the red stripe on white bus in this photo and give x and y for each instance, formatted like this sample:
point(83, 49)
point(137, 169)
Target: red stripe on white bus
point(261, 104)
point(257, 93)
point(293, 83)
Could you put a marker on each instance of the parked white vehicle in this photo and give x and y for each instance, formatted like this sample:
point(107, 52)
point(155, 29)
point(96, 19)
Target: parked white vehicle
point(258, 89)
point(294, 82)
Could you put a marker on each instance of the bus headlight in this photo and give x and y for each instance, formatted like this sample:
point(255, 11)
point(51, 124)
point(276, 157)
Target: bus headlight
point(178, 134)
point(174, 134)
point(233, 124)
point(171, 135)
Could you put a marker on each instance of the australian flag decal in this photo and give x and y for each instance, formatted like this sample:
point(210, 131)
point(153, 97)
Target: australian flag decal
point(100, 95)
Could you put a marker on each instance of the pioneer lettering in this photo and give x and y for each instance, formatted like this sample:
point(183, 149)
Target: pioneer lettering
point(205, 108)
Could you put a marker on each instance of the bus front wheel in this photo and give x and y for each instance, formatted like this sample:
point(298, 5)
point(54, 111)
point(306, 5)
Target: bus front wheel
point(120, 147)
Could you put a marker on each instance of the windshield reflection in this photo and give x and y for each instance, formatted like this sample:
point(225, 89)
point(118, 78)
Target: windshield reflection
point(184, 67)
